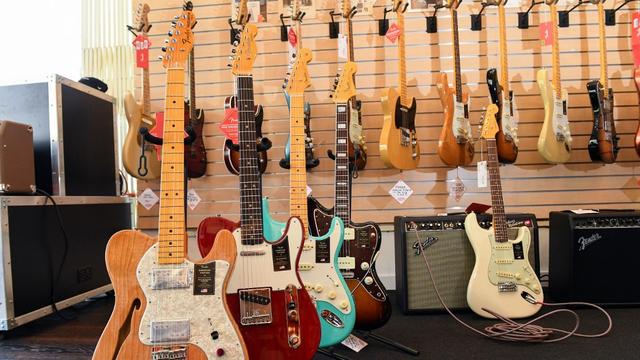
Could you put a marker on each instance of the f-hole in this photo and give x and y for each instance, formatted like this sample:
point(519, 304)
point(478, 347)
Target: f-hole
point(125, 329)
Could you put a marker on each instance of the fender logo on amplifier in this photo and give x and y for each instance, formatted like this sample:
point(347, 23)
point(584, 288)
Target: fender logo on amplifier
point(586, 241)
point(425, 244)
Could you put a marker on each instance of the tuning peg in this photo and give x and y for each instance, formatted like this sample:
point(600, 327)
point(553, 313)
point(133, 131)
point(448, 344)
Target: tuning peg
point(330, 95)
point(231, 57)
point(160, 57)
point(170, 33)
point(235, 43)
point(166, 41)
point(233, 51)
point(228, 65)
point(176, 17)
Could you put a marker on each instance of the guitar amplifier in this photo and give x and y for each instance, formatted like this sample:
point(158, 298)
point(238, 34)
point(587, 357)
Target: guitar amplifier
point(450, 255)
point(593, 257)
point(17, 169)
point(74, 134)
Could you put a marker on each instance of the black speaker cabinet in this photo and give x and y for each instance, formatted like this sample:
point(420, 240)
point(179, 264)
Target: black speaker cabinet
point(33, 248)
point(74, 134)
point(450, 255)
point(593, 257)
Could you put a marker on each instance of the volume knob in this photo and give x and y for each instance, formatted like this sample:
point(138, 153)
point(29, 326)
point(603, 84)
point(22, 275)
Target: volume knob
point(364, 266)
point(331, 295)
point(368, 280)
point(344, 304)
point(318, 288)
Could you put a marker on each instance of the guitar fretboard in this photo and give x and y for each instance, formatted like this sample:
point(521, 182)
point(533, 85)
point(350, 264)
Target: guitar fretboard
point(456, 53)
point(146, 92)
point(555, 51)
point(171, 229)
point(342, 208)
point(250, 181)
point(298, 170)
point(192, 84)
point(604, 79)
point(499, 218)
point(504, 67)
point(402, 58)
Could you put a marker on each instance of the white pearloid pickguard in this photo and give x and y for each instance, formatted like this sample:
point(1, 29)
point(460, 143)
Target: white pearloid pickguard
point(322, 282)
point(509, 123)
point(254, 271)
point(461, 126)
point(482, 291)
point(205, 313)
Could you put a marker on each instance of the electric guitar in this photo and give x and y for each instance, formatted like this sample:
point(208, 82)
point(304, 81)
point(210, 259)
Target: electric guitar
point(195, 153)
point(275, 313)
point(455, 145)
point(168, 307)
point(311, 161)
point(399, 146)
point(502, 96)
point(554, 142)
point(636, 78)
point(362, 241)
point(319, 260)
point(140, 162)
point(502, 280)
point(231, 151)
point(603, 144)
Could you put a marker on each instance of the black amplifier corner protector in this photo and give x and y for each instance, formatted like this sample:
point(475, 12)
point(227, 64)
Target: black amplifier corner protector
point(450, 255)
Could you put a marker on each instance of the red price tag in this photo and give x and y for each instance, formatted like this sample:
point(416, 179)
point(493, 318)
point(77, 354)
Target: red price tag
point(635, 27)
point(293, 38)
point(546, 33)
point(393, 33)
point(142, 45)
point(229, 126)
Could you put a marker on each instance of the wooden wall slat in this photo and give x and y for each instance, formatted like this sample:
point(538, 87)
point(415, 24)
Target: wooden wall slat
point(530, 185)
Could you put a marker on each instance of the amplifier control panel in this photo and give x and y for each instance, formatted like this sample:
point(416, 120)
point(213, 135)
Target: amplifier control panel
point(447, 223)
point(604, 221)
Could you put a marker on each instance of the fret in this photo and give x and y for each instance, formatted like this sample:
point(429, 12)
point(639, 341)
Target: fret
point(192, 84)
point(343, 175)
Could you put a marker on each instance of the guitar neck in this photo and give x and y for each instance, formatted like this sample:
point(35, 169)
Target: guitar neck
point(192, 84)
point(499, 218)
point(555, 51)
point(504, 67)
point(604, 79)
point(171, 234)
point(404, 100)
point(298, 170)
point(456, 53)
point(146, 92)
point(342, 207)
point(250, 181)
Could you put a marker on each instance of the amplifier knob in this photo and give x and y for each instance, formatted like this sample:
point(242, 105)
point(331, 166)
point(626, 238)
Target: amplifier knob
point(364, 266)
point(368, 280)
point(318, 288)
point(614, 222)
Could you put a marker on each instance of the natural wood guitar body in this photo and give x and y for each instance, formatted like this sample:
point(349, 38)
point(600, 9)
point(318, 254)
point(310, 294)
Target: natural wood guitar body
point(392, 152)
point(450, 151)
point(131, 148)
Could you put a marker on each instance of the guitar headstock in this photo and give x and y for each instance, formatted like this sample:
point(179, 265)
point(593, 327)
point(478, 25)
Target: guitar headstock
point(142, 18)
point(242, 16)
point(245, 53)
point(346, 8)
point(400, 6)
point(489, 124)
point(551, 2)
point(452, 4)
point(299, 79)
point(496, 2)
point(180, 41)
point(345, 88)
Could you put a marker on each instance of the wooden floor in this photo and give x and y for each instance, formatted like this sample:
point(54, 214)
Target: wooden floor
point(437, 336)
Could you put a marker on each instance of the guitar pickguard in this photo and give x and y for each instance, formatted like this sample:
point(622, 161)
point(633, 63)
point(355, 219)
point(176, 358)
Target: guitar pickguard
point(174, 315)
point(461, 126)
point(560, 118)
point(508, 121)
point(509, 264)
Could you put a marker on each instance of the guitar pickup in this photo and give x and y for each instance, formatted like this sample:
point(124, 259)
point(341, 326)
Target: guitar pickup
point(255, 306)
point(165, 279)
point(305, 267)
point(346, 263)
point(170, 331)
point(349, 233)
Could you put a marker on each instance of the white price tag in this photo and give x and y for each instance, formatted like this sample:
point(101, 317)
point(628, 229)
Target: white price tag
point(401, 191)
point(193, 199)
point(148, 198)
point(482, 174)
point(342, 46)
point(354, 343)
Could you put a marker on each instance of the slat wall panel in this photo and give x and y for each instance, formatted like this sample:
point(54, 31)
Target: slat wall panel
point(529, 185)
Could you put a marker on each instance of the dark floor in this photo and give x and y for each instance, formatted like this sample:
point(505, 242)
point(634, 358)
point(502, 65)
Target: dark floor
point(436, 336)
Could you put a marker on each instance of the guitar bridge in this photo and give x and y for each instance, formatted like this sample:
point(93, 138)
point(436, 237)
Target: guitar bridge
point(169, 353)
point(508, 286)
point(255, 306)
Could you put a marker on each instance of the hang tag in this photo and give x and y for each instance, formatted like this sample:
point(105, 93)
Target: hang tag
point(458, 189)
point(354, 343)
point(229, 125)
point(482, 174)
point(142, 45)
point(193, 199)
point(393, 33)
point(401, 191)
point(293, 37)
point(148, 198)
point(546, 34)
point(342, 46)
point(635, 38)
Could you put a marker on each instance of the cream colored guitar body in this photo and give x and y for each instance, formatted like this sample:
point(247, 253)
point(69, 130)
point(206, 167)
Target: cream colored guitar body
point(393, 152)
point(554, 143)
point(132, 143)
point(499, 280)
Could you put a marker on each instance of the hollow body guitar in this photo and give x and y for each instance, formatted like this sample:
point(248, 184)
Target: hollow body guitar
point(636, 78)
point(319, 260)
point(502, 280)
point(603, 143)
point(399, 147)
point(168, 307)
point(138, 116)
point(455, 145)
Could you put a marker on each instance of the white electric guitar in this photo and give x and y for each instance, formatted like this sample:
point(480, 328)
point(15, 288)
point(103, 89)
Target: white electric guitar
point(503, 280)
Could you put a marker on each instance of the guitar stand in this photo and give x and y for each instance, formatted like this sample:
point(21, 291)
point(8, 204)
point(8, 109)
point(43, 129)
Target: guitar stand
point(331, 354)
point(389, 342)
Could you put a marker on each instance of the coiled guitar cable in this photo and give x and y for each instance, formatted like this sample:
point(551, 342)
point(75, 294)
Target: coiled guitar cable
point(509, 330)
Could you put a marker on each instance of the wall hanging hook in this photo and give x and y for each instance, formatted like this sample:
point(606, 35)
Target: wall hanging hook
point(284, 36)
point(334, 27)
point(131, 29)
point(563, 16)
point(432, 21)
point(523, 17)
point(234, 34)
point(383, 24)
point(476, 19)
point(610, 14)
